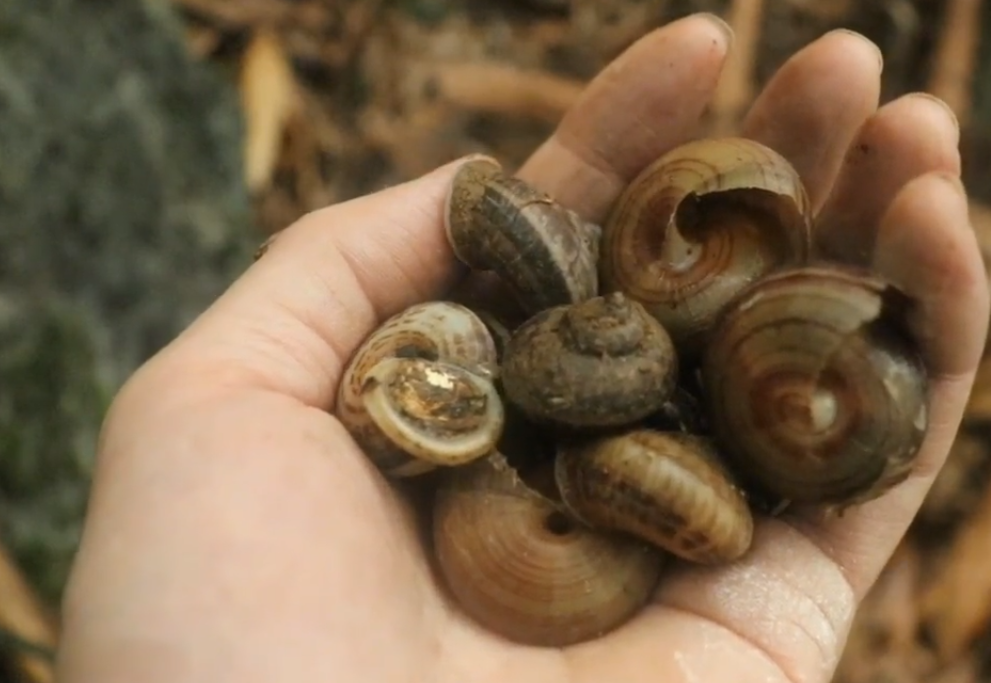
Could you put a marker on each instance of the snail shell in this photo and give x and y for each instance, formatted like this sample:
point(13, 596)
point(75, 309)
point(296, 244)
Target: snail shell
point(419, 392)
point(813, 387)
point(700, 224)
point(602, 362)
point(546, 254)
point(519, 566)
point(669, 489)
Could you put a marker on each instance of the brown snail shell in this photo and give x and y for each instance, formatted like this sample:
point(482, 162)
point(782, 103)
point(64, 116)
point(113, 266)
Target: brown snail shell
point(519, 566)
point(599, 363)
point(419, 392)
point(813, 388)
point(698, 225)
point(546, 254)
point(669, 489)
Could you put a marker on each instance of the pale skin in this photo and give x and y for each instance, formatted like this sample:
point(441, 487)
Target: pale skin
point(236, 533)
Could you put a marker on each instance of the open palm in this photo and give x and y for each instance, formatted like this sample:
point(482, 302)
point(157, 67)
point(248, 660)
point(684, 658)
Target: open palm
point(236, 533)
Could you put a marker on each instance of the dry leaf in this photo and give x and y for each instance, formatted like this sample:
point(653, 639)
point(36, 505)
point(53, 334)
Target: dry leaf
point(269, 99)
point(980, 220)
point(956, 605)
point(21, 613)
point(979, 403)
point(882, 642)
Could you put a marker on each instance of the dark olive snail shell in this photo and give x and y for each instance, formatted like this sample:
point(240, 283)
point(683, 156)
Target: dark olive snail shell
point(814, 391)
point(602, 362)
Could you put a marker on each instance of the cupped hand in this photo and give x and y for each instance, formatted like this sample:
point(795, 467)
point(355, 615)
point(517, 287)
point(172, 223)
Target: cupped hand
point(236, 533)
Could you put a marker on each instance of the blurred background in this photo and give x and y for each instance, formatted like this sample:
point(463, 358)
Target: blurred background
point(148, 146)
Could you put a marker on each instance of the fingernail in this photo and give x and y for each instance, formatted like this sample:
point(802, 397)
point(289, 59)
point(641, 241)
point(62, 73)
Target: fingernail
point(478, 156)
point(952, 115)
point(720, 23)
point(475, 159)
point(868, 41)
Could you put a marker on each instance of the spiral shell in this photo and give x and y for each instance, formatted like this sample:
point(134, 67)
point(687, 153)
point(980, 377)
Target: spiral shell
point(419, 392)
point(700, 224)
point(669, 489)
point(602, 362)
point(546, 254)
point(814, 388)
point(519, 566)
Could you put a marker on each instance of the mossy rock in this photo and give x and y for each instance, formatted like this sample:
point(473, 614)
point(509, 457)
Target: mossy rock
point(122, 216)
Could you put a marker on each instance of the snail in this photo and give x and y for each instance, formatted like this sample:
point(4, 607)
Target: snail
point(419, 392)
point(814, 390)
point(599, 363)
point(518, 564)
point(669, 489)
point(698, 225)
point(545, 254)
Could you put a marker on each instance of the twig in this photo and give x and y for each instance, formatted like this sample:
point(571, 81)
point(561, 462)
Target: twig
point(953, 63)
point(736, 87)
point(21, 615)
point(505, 90)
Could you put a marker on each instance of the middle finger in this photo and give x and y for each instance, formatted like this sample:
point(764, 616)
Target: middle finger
point(648, 100)
point(813, 106)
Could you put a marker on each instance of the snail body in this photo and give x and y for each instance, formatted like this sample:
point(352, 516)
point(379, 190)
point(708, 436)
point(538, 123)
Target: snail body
point(419, 392)
point(669, 489)
point(698, 225)
point(518, 564)
point(545, 254)
point(598, 363)
point(813, 388)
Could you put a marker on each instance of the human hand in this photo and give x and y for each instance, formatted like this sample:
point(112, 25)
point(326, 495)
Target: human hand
point(236, 533)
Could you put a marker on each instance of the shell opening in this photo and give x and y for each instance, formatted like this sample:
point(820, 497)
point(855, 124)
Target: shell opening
point(558, 524)
point(437, 412)
point(766, 218)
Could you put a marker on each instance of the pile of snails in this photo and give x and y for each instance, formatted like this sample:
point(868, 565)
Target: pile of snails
point(657, 382)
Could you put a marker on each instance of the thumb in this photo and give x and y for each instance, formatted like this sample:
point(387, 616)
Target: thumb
point(292, 320)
